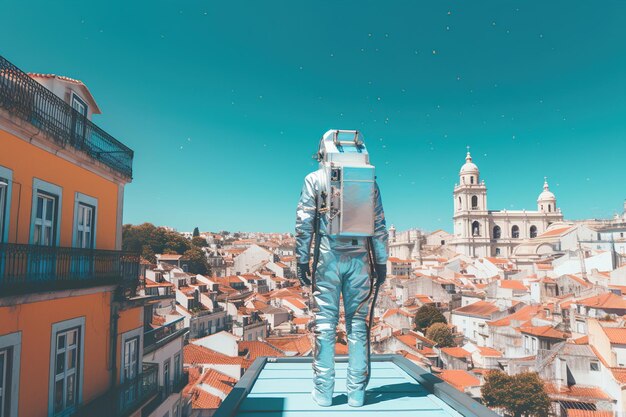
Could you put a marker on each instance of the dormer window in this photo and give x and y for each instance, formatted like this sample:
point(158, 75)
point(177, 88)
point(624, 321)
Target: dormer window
point(79, 104)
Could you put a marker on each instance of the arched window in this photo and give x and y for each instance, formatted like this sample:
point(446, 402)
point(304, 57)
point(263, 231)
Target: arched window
point(474, 202)
point(549, 208)
point(515, 232)
point(471, 179)
point(533, 231)
point(460, 204)
point(497, 232)
point(475, 228)
point(542, 207)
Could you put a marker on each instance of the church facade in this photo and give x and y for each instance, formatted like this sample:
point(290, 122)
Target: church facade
point(480, 232)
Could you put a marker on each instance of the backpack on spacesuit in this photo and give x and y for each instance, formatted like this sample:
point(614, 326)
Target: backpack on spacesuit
point(349, 194)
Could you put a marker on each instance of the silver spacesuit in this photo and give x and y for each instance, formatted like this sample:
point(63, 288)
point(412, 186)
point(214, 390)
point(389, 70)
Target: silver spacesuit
point(341, 201)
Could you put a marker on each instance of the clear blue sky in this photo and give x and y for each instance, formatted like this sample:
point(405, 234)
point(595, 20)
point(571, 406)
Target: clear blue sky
point(224, 103)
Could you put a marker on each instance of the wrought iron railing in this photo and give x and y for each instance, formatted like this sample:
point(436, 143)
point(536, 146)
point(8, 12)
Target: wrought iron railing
point(126, 398)
point(25, 98)
point(154, 336)
point(33, 268)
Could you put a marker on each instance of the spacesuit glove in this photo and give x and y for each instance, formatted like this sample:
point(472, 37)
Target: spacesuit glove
point(303, 272)
point(381, 273)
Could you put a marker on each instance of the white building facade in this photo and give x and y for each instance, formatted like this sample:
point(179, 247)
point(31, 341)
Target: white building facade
point(480, 232)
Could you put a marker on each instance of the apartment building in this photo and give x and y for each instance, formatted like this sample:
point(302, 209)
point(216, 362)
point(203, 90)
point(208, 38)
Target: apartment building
point(72, 328)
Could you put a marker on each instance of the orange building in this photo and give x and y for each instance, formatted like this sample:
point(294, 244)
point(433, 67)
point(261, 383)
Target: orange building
point(71, 325)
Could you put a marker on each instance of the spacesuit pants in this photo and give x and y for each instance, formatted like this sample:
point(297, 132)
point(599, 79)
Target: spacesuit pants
point(346, 273)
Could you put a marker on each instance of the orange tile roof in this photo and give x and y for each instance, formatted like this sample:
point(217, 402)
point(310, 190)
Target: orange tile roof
point(459, 379)
point(555, 232)
point(571, 412)
point(497, 260)
point(523, 314)
point(203, 400)
point(582, 340)
point(341, 349)
point(301, 320)
point(299, 344)
point(479, 308)
point(617, 335)
point(577, 391)
point(489, 352)
point(512, 284)
point(195, 354)
point(608, 300)
point(456, 352)
point(398, 260)
point(256, 348)
point(580, 280)
point(619, 374)
point(410, 338)
point(394, 311)
point(169, 257)
point(544, 331)
point(218, 380)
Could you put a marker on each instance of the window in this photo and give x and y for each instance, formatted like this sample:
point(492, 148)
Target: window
point(131, 358)
point(475, 228)
point(5, 381)
point(177, 367)
point(45, 217)
point(84, 227)
point(497, 251)
point(77, 121)
point(471, 179)
point(515, 232)
point(549, 208)
point(497, 232)
point(460, 204)
point(66, 370)
point(594, 366)
point(166, 376)
point(4, 187)
point(533, 231)
point(474, 202)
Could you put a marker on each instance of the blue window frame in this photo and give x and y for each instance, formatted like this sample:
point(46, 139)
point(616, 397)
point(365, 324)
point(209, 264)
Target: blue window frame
point(6, 186)
point(45, 220)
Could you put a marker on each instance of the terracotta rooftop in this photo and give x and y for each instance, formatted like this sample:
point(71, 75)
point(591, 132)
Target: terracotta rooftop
point(577, 391)
point(522, 315)
point(617, 335)
point(299, 344)
point(489, 352)
point(479, 308)
point(572, 412)
point(544, 331)
point(555, 232)
point(456, 352)
point(608, 300)
point(512, 284)
point(217, 380)
point(459, 379)
point(256, 348)
point(195, 354)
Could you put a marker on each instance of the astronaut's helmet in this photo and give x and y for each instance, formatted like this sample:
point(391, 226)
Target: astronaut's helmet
point(342, 148)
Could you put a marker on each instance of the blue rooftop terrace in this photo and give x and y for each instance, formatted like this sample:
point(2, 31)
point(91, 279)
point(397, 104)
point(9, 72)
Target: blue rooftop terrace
point(281, 387)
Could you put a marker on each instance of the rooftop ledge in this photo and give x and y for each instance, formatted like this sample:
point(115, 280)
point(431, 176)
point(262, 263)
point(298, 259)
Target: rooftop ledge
point(275, 387)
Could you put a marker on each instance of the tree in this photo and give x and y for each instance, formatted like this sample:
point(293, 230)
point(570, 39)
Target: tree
point(199, 241)
point(441, 334)
point(521, 395)
point(196, 231)
point(426, 316)
point(149, 240)
point(196, 261)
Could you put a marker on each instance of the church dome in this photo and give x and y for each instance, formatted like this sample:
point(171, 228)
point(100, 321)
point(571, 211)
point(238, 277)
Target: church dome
point(469, 167)
point(546, 194)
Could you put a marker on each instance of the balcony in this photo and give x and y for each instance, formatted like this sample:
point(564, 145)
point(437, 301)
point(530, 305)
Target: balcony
point(156, 338)
point(28, 100)
point(126, 398)
point(34, 268)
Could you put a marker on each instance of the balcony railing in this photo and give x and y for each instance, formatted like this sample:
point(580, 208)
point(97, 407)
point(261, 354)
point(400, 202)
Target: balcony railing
point(152, 337)
point(25, 98)
point(126, 398)
point(34, 268)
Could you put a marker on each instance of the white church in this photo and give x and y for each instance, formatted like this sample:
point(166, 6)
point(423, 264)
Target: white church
point(480, 232)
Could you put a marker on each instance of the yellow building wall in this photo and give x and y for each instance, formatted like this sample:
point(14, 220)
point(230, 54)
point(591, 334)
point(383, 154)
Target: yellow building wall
point(29, 161)
point(35, 321)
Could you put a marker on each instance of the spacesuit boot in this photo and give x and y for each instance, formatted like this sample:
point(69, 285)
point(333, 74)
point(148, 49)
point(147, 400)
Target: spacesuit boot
point(343, 270)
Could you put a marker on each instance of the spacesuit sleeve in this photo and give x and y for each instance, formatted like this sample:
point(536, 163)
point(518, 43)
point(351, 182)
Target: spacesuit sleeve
point(381, 236)
point(305, 218)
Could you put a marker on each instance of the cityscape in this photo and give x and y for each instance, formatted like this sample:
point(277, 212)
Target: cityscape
point(485, 311)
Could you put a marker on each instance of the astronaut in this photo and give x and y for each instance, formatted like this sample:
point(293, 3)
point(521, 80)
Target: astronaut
point(340, 205)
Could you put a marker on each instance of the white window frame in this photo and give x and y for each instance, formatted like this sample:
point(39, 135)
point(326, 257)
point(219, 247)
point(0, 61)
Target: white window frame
point(12, 342)
point(92, 202)
point(55, 191)
point(57, 328)
point(6, 175)
point(132, 334)
point(76, 98)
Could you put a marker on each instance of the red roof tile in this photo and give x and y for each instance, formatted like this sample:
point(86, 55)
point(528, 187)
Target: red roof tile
point(608, 300)
point(456, 352)
point(617, 335)
point(459, 379)
point(479, 308)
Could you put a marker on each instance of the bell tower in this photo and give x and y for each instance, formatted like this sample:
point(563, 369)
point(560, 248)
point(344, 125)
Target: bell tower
point(471, 224)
